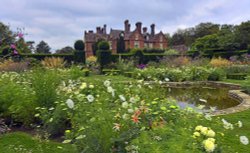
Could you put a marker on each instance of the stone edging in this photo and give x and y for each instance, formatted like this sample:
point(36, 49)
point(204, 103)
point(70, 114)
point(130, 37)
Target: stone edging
point(240, 96)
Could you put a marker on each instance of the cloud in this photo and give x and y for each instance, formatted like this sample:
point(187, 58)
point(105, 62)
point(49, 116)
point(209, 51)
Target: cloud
point(61, 22)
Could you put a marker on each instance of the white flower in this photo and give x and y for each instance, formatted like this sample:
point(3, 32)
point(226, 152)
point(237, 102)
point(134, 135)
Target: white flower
point(51, 108)
point(167, 79)
point(132, 100)
point(90, 98)
point(203, 100)
point(196, 134)
point(70, 103)
point(244, 140)
point(198, 128)
point(122, 98)
point(227, 125)
point(208, 117)
point(240, 124)
point(107, 83)
point(125, 104)
point(125, 116)
point(130, 110)
point(80, 137)
point(110, 89)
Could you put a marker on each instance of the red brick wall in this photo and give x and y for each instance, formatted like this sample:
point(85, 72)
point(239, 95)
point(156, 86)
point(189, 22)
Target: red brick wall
point(88, 49)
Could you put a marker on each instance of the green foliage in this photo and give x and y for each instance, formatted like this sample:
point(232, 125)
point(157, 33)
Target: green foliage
point(44, 83)
point(65, 50)
point(79, 57)
point(79, 45)
point(16, 98)
point(103, 45)
point(104, 57)
point(246, 86)
point(206, 43)
point(217, 74)
point(237, 76)
point(21, 142)
point(22, 46)
point(42, 48)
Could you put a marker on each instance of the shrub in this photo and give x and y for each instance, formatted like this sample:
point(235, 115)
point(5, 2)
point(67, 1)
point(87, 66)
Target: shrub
point(79, 45)
point(237, 76)
point(220, 62)
point(125, 65)
point(217, 74)
point(53, 62)
point(246, 86)
point(11, 66)
point(79, 56)
point(103, 58)
point(103, 45)
point(171, 52)
point(238, 69)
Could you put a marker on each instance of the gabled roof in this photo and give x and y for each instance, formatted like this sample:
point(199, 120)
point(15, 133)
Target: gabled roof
point(115, 34)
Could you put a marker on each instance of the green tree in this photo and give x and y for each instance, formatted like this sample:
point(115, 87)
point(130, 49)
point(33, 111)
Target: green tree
point(79, 45)
point(242, 34)
point(43, 47)
point(206, 43)
point(22, 46)
point(6, 35)
point(65, 50)
point(121, 44)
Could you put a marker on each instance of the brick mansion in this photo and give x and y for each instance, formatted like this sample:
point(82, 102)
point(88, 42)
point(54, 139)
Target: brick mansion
point(138, 38)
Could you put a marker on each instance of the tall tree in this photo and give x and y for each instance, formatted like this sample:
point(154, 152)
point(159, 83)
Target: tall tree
point(43, 47)
point(65, 50)
point(6, 35)
point(242, 33)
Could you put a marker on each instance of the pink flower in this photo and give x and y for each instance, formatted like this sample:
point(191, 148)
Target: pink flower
point(20, 35)
point(15, 52)
point(12, 46)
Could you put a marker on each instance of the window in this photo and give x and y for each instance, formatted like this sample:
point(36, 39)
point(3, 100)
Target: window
point(145, 45)
point(110, 45)
point(136, 44)
point(161, 46)
point(150, 45)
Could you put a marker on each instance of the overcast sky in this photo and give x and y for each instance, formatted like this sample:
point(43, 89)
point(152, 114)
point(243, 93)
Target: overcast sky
point(61, 22)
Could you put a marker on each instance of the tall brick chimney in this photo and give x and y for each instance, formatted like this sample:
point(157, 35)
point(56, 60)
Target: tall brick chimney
point(104, 29)
point(152, 29)
point(126, 26)
point(144, 29)
point(98, 30)
point(138, 26)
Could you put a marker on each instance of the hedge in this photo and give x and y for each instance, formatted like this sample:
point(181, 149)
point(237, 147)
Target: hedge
point(78, 56)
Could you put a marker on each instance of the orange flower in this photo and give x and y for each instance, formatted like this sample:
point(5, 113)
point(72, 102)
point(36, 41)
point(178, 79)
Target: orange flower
point(135, 119)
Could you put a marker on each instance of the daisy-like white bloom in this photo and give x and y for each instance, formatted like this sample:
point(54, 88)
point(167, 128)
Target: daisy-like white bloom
point(90, 98)
point(110, 89)
point(122, 98)
point(70, 103)
point(125, 104)
point(107, 83)
point(117, 127)
point(244, 140)
point(125, 116)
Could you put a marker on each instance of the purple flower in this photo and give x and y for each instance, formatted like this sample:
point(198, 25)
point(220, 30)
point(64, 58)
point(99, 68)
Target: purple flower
point(141, 66)
point(12, 46)
point(20, 35)
point(15, 52)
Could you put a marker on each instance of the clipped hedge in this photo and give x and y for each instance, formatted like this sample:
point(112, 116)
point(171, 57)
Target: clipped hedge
point(237, 76)
point(104, 58)
point(78, 56)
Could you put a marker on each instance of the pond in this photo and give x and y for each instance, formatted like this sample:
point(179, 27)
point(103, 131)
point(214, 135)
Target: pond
point(207, 96)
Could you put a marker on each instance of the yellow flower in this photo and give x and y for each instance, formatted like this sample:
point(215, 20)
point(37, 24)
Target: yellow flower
point(209, 145)
point(67, 131)
point(196, 134)
point(211, 139)
point(210, 133)
point(83, 86)
point(91, 86)
point(204, 130)
point(198, 128)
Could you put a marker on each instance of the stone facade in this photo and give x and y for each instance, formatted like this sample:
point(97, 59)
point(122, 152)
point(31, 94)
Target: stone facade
point(139, 38)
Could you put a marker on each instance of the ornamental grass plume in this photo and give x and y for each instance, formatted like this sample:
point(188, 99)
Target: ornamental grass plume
point(53, 62)
point(220, 62)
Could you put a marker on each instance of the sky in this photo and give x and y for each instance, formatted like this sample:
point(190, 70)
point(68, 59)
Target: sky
point(61, 22)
